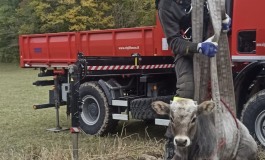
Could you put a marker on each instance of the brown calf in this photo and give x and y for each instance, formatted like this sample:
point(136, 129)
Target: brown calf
point(195, 136)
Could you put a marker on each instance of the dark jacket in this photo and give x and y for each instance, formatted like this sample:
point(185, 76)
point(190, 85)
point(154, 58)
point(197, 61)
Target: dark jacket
point(173, 17)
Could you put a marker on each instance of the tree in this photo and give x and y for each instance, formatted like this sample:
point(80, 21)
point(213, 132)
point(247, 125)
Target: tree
point(43, 16)
point(8, 31)
point(132, 13)
point(70, 15)
point(29, 22)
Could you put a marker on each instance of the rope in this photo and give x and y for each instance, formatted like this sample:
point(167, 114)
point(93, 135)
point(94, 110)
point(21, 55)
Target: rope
point(231, 112)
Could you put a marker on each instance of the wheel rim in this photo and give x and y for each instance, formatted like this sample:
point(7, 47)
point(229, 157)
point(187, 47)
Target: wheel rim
point(90, 110)
point(260, 127)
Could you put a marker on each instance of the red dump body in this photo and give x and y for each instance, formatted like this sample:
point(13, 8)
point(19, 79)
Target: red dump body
point(60, 49)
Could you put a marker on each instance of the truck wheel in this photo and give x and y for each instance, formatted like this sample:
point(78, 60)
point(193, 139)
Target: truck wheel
point(253, 116)
point(141, 108)
point(96, 115)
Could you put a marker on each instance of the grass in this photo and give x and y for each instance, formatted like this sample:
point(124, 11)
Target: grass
point(24, 136)
point(23, 130)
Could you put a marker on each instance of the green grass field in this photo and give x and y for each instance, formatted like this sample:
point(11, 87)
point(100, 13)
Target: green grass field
point(24, 136)
point(23, 130)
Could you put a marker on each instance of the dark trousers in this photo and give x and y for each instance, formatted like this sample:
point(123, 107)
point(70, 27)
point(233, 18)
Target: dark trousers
point(185, 81)
point(185, 89)
point(184, 74)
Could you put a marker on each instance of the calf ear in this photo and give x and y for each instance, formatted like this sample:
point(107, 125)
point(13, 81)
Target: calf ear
point(160, 107)
point(206, 107)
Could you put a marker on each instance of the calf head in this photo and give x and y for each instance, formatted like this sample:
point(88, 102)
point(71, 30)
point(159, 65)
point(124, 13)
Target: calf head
point(183, 115)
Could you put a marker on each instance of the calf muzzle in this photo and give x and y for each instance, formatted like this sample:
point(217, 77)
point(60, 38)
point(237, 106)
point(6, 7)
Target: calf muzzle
point(181, 141)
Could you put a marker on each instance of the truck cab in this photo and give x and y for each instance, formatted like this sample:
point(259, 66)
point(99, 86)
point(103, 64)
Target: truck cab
point(247, 46)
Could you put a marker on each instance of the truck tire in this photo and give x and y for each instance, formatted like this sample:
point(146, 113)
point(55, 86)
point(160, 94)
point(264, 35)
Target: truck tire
point(253, 116)
point(141, 108)
point(96, 115)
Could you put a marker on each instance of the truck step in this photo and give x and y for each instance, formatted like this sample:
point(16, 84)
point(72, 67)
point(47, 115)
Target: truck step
point(124, 101)
point(44, 83)
point(123, 117)
point(161, 122)
point(121, 103)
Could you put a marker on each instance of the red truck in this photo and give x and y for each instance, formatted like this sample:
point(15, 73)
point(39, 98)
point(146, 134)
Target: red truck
point(121, 71)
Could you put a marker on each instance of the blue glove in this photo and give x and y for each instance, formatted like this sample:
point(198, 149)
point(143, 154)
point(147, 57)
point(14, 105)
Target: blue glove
point(208, 47)
point(226, 24)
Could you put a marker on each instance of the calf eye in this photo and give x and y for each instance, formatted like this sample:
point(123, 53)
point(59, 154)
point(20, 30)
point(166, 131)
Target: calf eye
point(193, 119)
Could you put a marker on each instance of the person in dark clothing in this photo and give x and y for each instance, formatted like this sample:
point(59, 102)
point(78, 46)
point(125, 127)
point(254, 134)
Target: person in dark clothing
point(175, 18)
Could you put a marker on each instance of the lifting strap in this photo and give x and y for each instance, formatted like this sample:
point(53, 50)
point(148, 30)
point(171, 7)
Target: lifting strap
point(200, 62)
point(217, 69)
point(216, 18)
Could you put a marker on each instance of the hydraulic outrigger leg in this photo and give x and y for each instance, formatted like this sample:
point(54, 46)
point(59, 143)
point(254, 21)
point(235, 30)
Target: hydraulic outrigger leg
point(57, 100)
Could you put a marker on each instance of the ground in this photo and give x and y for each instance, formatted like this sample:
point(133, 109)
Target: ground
point(23, 130)
point(24, 136)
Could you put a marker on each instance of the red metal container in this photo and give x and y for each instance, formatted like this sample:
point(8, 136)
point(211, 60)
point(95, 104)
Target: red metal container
point(60, 49)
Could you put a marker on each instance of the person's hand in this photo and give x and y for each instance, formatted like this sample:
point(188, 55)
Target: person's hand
point(208, 47)
point(226, 24)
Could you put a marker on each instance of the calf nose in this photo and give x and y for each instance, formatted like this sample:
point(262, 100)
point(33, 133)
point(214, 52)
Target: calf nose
point(181, 141)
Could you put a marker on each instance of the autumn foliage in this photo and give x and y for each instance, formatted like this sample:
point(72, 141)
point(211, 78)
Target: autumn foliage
point(47, 16)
